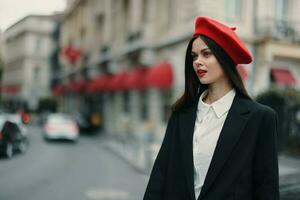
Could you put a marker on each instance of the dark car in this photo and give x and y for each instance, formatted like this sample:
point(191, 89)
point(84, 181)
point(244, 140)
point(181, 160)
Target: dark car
point(12, 139)
point(89, 123)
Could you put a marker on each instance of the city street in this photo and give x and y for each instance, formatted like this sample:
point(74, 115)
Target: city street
point(88, 170)
point(135, 70)
point(290, 187)
point(60, 170)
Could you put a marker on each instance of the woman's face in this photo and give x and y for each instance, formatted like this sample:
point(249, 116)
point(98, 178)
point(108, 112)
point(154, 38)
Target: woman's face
point(205, 64)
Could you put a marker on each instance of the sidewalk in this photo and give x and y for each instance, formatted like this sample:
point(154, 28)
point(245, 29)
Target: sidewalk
point(289, 176)
point(288, 165)
point(141, 156)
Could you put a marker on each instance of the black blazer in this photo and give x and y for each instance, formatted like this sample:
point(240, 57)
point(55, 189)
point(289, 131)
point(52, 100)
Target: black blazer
point(244, 164)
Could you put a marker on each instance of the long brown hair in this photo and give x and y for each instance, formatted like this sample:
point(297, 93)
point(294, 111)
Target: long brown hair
point(193, 87)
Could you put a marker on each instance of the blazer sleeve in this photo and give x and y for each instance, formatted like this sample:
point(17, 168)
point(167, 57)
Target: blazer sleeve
point(265, 167)
point(156, 185)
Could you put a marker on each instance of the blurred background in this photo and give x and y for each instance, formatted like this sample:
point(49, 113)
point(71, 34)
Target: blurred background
point(98, 77)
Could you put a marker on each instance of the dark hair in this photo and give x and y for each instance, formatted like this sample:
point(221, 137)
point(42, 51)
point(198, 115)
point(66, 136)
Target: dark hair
point(193, 87)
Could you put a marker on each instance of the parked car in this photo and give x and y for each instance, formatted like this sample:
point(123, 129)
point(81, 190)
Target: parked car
point(17, 118)
point(13, 137)
point(88, 123)
point(60, 126)
point(42, 117)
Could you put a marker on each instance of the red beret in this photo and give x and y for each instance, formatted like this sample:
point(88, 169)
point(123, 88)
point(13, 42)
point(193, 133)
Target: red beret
point(225, 37)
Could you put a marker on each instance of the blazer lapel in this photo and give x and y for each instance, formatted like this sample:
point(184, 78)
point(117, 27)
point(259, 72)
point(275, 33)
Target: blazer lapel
point(229, 136)
point(187, 123)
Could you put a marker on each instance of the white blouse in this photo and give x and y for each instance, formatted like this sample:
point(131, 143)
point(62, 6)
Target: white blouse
point(208, 125)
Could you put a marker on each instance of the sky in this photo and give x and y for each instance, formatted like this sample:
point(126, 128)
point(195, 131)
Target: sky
point(12, 11)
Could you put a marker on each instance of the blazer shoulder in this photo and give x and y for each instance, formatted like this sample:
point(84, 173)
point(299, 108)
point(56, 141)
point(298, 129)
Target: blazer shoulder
point(261, 108)
point(254, 106)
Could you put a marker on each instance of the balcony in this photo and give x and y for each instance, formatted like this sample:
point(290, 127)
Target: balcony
point(278, 29)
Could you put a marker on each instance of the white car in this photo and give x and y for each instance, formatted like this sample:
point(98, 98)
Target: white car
point(60, 126)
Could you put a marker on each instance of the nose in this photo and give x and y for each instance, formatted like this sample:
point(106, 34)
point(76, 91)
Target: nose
point(198, 62)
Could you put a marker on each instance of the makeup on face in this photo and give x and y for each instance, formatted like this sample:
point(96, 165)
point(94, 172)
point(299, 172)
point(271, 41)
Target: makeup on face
point(204, 53)
point(205, 64)
point(201, 73)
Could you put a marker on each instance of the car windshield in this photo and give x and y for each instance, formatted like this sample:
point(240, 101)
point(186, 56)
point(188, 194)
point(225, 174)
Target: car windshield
point(14, 118)
point(60, 119)
point(7, 117)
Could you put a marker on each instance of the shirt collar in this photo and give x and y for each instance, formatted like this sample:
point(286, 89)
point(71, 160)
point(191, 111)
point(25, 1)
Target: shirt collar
point(202, 106)
point(221, 106)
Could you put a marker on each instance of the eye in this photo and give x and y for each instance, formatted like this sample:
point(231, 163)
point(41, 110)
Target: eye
point(194, 56)
point(206, 54)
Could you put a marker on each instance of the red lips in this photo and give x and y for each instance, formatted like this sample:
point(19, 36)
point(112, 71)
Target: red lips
point(201, 72)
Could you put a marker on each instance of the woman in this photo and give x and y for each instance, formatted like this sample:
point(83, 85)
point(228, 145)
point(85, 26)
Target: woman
point(219, 144)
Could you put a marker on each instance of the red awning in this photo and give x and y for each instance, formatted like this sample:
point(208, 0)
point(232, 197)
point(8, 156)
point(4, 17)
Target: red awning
point(101, 83)
point(76, 86)
point(243, 72)
point(58, 90)
point(91, 86)
point(117, 81)
point(68, 86)
point(160, 76)
point(136, 79)
point(283, 76)
point(79, 86)
point(10, 89)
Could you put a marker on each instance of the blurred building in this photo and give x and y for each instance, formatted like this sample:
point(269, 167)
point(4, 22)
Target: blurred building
point(1, 44)
point(125, 58)
point(28, 44)
point(1, 60)
point(70, 3)
point(55, 65)
point(276, 44)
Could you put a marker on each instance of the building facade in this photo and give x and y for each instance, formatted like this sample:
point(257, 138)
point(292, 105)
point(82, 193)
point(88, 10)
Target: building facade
point(118, 39)
point(1, 60)
point(28, 45)
point(276, 44)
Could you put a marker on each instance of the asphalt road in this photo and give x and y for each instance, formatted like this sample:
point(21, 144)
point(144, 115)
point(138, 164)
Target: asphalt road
point(85, 170)
point(290, 187)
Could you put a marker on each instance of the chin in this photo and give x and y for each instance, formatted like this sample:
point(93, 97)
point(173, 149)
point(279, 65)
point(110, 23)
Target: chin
point(205, 82)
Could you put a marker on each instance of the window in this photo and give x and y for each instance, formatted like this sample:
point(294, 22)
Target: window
point(82, 35)
point(171, 13)
point(233, 9)
point(100, 27)
point(126, 102)
point(38, 45)
point(36, 74)
point(280, 10)
point(144, 108)
point(126, 15)
point(145, 17)
point(280, 15)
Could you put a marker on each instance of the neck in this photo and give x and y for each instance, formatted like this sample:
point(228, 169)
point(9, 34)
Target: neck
point(216, 91)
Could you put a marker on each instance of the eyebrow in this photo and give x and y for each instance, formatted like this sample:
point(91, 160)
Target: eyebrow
point(202, 50)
